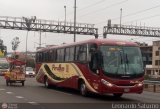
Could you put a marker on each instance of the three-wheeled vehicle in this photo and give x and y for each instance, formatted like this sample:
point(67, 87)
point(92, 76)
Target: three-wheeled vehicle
point(16, 73)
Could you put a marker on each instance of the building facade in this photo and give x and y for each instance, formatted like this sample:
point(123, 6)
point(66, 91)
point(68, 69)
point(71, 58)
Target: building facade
point(151, 59)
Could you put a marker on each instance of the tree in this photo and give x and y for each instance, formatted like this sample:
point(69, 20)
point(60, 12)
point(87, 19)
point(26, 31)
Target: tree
point(15, 43)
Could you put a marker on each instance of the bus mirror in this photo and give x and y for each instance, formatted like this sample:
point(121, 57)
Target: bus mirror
point(97, 72)
point(92, 50)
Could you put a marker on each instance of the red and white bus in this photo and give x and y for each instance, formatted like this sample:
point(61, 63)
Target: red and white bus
point(99, 65)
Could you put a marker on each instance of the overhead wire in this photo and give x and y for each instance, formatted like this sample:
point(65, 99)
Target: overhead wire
point(92, 5)
point(131, 14)
point(102, 9)
point(144, 18)
point(88, 6)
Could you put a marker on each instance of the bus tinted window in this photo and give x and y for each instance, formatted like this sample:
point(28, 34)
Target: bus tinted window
point(76, 53)
point(60, 55)
point(40, 57)
point(47, 56)
point(81, 53)
point(52, 55)
point(69, 54)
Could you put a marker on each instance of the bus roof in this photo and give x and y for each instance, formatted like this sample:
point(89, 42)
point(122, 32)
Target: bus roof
point(97, 41)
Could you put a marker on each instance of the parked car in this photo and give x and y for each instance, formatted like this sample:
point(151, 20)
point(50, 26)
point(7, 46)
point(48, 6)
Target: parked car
point(30, 72)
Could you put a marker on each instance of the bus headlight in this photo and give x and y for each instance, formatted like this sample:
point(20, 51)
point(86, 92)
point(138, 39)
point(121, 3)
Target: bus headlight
point(106, 83)
point(140, 84)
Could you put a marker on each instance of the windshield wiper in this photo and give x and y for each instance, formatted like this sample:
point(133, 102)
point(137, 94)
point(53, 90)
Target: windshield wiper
point(121, 60)
point(127, 63)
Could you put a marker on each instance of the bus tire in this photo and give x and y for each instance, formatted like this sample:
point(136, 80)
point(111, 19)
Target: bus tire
point(83, 89)
point(22, 83)
point(7, 83)
point(46, 84)
point(117, 95)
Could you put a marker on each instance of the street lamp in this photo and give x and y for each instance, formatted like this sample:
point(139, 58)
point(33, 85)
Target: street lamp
point(65, 15)
point(120, 19)
point(159, 61)
point(39, 44)
point(28, 22)
point(75, 21)
point(65, 18)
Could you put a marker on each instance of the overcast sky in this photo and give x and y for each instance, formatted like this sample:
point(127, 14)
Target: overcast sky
point(135, 12)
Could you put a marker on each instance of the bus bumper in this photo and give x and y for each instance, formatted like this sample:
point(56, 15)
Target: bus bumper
point(122, 89)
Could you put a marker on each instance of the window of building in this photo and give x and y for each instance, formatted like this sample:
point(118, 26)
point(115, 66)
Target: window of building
point(148, 72)
point(157, 53)
point(157, 62)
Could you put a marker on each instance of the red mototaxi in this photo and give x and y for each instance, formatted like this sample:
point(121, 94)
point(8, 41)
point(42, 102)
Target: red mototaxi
point(15, 73)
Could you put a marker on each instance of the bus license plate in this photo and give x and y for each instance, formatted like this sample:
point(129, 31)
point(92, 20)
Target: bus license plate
point(126, 90)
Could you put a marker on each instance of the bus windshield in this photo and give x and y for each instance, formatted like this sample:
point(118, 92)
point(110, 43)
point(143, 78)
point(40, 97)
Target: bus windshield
point(121, 60)
point(4, 66)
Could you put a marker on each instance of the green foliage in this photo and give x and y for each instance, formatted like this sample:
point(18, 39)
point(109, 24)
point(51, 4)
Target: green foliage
point(15, 43)
point(31, 63)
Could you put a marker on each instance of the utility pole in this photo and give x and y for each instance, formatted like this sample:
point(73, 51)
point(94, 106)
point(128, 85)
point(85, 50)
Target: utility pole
point(75, 21)
point(64, 18)
point(120, 19)
point(26, 48)
point(40, 40)
point(65, 15)
point(28, 22)
point(158, 62)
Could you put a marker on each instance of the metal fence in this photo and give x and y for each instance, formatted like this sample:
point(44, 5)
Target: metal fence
point(153, 86)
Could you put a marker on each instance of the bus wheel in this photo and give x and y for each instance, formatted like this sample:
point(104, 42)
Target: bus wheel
point(117, 95)
point(7, 82)
point(22, 83)
point(46, 82)
point(83, 89)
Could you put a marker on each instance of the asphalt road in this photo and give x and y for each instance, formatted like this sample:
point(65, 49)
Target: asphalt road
point(35, 95)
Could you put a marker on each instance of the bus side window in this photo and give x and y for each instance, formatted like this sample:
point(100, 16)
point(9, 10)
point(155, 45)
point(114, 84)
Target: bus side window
point(60, 55)
point(53, 55)
point(93, 57)
point(40, 57)
point(67, 54)
point(82, 53)
point(72, 53)
point(77, 52)
point(36, 57)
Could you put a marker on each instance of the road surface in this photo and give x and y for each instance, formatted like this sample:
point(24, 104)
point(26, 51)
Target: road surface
point(35, 95)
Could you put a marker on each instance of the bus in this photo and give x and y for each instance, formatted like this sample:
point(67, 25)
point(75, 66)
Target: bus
point(100, 66)
point(3, 49)
point(4, 66)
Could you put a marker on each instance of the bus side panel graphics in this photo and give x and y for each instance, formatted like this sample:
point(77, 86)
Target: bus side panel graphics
point(57, 72)
point(40, 76)
point(52, 75)
point(62, 72)
point(83, 77)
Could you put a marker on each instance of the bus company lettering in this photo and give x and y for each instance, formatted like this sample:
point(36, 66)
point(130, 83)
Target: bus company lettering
point(67, 68)
point(59, 68)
